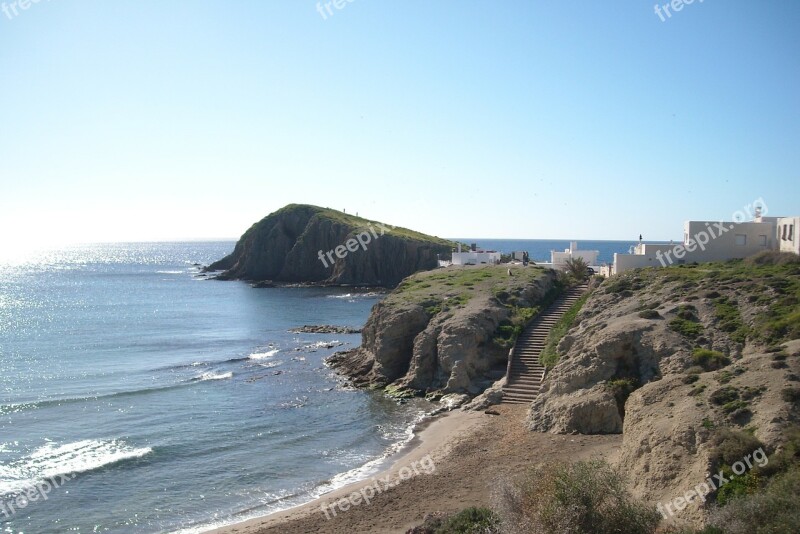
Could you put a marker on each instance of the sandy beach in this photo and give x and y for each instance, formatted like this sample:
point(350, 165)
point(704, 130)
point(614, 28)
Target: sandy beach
point(454, 462)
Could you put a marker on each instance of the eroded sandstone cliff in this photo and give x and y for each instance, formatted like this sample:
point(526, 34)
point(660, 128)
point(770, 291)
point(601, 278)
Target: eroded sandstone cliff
point(671, 358)
point(446, 331)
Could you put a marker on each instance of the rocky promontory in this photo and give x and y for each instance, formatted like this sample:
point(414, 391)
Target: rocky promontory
point(696, 366)
point(308, 244)
point(446, 331)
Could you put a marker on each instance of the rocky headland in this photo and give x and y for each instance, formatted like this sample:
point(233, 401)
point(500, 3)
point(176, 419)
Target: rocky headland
point(446, 332)
point(303, 244)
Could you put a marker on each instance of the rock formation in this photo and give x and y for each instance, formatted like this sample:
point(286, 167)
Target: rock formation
point(670, 357)
point(308, 244)
point(438, 332)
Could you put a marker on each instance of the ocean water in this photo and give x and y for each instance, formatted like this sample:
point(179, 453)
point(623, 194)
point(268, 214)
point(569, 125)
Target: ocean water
point(174, 403)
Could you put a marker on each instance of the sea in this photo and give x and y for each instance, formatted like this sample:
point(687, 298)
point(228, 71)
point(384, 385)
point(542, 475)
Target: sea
point(139, 396)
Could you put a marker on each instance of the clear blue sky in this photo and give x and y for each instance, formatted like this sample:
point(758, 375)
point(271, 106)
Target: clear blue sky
point(144, 120)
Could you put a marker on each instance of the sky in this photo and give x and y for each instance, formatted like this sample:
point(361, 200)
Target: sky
point(142, 120)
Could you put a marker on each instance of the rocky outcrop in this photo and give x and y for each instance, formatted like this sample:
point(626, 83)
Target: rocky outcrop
point(309, 244)
point(639, 361)
point(576, 396)
point(436, 333)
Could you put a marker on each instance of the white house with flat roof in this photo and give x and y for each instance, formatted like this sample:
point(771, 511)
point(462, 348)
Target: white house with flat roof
point(707, 241)
point(475, 256)
point(559, 259)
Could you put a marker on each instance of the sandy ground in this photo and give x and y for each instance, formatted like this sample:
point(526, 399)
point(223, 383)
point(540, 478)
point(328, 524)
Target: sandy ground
point(459, 459)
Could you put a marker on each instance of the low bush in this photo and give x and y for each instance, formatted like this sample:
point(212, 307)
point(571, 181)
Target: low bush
point(773, 257)
point(584, 497)
point(468, 521)
point(686, 328)
point(774, 510)
point(710, 360)
point(649, 314)
point(730, 446)
point(622, 388)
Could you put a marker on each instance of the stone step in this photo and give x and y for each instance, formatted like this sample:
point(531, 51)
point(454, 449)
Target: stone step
point(526, 384)
point(518, 400)
point(526, 398)
point(522, 398)
point(521, 392)
point(526, 373)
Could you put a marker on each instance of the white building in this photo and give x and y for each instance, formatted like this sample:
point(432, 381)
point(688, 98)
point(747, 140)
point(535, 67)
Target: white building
point(475, 257)
point(788, 239)
point(706, 241)
point(559, 259)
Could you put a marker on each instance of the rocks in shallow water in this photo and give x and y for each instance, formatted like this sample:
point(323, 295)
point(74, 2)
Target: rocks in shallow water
point(325, 329)
point(263, 285)
point(454, 400)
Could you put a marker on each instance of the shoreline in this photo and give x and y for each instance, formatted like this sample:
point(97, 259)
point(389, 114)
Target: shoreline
point(474, 455)
point(433, 440)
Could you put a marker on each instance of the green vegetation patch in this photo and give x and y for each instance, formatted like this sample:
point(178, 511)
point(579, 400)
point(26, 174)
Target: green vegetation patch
point(360, 223)
point(622, 388)
point(770, 281)
point(730, 319)
point(468, 521)
point(550, 355)
point(587, 496)
point(709, 360)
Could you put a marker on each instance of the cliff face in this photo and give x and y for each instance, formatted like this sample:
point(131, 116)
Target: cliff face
point(671, 358)
point(438, 331)
point(285, 246)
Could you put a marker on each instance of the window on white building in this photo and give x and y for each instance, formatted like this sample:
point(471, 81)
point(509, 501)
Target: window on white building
point(762, 240)
point(741, 240)
point(791, 232)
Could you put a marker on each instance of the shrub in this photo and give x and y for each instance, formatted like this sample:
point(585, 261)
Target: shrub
point(577, 269)
point(791, 395)
point(585, 497)
point(686, 327)
point(468, 521)
point(617, 285)
point(730, 446)
point(773, 257)
point(622, 388)
point(774, 510)
point(710, 360)
point(649, 314)
point(549, 356)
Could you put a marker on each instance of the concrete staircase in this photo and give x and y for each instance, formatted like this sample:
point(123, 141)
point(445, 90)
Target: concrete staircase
point(525, 371)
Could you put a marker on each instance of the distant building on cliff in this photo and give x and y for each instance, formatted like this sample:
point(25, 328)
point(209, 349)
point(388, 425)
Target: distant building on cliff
point(475, 256)
point(559, 259)
point(706, 241)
